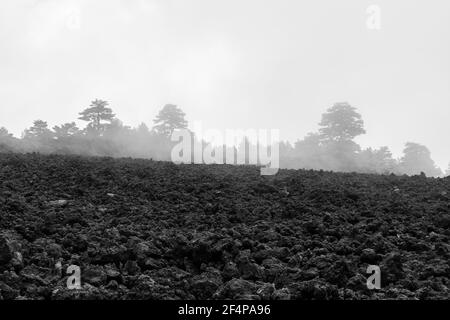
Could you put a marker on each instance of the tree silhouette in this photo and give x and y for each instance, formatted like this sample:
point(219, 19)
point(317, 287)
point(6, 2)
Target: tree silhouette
point(416, 159)
point(94, 115)
point(66, 130)
point(116, 129)
point(39, 131)
point(168, 119)
point(339, 126)
point(341, 123)
point(307, 152)
point(6, 140)
point(4, 133)
point(377, 160)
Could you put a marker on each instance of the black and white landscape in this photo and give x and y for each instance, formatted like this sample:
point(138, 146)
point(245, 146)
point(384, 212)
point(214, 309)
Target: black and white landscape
point(242, 150)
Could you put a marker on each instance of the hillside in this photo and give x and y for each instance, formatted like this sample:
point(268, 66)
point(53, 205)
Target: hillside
point(155, 230)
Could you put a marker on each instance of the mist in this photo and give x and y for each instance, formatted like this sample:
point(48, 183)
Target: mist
point(332, 147)
point(224, 151)
point(252, 64)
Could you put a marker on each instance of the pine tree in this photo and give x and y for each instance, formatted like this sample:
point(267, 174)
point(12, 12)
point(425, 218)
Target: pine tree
point(168, 119)
point(39, 131)
point(94, 115)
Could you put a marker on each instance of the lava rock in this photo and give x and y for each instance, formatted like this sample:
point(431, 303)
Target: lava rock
point(266, 291)
point(392, 269)
point(370, 256)
point(94, 275)
point(203, 286)
point(236, 289)
point(230, 271)
point(281, 294)
point(9, 245)
point(314, 290)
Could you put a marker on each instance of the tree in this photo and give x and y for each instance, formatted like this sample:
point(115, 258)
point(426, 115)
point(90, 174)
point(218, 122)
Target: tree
point(308, 151)
point(39, 131)
point(66, 130)
point(416, 159)
point(7, 141)
point(341, 123)
point(94, 115)
point(288, 157)
point(4, 133)
point(168, 119)
point(340, 155)
point(377, 161)
point(143, 130)
point(117, 130)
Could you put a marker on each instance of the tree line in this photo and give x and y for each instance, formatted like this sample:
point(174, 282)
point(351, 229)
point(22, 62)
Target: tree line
point(332, 147)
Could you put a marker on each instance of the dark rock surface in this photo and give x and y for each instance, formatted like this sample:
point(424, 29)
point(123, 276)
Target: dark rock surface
point(141, 229)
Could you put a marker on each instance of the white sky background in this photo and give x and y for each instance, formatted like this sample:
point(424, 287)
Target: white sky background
point(232, 64)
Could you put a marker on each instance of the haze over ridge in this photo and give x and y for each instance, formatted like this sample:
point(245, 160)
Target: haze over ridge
point(232, 64)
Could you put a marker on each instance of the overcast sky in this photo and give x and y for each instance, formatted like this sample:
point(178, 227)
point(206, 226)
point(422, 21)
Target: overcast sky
point(232, 64)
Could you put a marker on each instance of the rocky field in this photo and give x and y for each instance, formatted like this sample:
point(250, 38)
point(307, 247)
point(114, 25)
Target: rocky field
point(141, 229)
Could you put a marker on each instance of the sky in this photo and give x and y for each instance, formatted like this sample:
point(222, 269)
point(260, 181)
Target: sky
point(234, 64)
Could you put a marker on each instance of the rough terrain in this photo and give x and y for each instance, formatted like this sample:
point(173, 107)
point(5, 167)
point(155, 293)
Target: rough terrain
point(141, 229)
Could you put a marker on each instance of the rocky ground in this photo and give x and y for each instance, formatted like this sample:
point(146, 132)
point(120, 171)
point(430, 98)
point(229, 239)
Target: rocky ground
point(141, 229)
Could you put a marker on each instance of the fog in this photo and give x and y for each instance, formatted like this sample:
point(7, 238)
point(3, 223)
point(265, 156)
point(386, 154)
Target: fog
point(232, 64)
